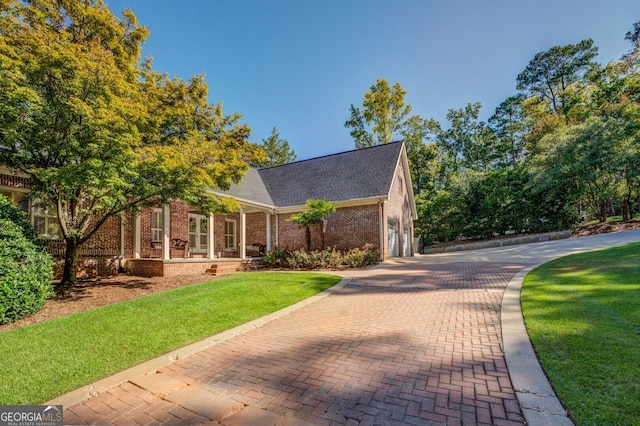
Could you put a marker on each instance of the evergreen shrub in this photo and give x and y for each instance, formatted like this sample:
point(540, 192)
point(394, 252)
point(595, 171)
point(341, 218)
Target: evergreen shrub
point(26, 269)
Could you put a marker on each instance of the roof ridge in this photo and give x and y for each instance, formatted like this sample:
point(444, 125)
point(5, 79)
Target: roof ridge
point(334, 154)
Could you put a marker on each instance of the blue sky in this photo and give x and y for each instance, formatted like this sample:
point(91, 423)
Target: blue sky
point(299, 64)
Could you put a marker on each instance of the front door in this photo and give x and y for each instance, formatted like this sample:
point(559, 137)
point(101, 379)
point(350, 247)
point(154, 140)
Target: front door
point(230, 238)
point(198, 227)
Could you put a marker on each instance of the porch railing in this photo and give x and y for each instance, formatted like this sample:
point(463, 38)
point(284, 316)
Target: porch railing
point(56, 248)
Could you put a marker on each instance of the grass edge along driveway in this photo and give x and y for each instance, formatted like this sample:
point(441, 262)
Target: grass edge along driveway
point(45, 360)
point(582, 313)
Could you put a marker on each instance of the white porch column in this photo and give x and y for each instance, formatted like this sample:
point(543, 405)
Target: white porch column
point(166, 231)
point(243, 234)
point(268, 231)
point(211, 250)
point(277, 230)
point(136, 236)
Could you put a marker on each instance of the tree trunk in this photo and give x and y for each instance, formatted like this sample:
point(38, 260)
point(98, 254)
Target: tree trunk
point(323, 230)
point(604, 208)
point(626, 207)
point(308, 233)
point(70, 274)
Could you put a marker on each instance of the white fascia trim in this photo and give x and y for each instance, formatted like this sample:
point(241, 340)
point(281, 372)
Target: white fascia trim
point(247, 203)
point(348, 203)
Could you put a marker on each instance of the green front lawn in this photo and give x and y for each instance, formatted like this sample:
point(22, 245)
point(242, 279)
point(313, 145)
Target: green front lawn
point(583, 316)
point(45, 360)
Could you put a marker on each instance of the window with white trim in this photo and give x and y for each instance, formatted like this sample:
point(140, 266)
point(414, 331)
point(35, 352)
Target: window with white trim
point(230, 234)
point(156, 225)
point(198, 227)
point(44, 218)
point(43, 215)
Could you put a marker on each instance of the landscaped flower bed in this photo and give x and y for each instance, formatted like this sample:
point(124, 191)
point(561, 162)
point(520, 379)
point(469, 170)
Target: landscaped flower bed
point(322, 259)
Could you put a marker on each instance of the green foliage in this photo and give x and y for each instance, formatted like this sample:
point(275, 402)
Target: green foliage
point(275, 258)
point(552, 75)
point(96, 129)
point(383, 112)
point(317, 213)
point(322, 259)
point(14, 214)
point(277, 152)
point(509, 131)
point(439, 216)
point(26, 271)
point(466, 139)
point(501, 202)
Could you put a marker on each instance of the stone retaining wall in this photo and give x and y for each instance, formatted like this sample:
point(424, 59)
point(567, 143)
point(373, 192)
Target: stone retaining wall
point(506, 241)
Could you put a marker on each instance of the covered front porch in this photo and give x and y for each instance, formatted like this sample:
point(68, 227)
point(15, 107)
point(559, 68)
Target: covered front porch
point(175, 240)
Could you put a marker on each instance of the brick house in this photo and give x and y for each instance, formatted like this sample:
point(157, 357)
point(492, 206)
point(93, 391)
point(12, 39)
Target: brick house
point(370, 187)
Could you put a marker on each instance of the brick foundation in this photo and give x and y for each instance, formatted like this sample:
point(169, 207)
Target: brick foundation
point(172, 268)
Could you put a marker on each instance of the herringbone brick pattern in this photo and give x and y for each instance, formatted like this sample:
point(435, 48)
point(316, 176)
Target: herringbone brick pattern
point(409, 352)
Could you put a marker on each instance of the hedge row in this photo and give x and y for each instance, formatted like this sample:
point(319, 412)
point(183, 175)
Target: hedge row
point(322, 259)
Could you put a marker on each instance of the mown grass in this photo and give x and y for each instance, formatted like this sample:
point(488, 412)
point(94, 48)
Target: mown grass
point(45, 360)
point(582, 313)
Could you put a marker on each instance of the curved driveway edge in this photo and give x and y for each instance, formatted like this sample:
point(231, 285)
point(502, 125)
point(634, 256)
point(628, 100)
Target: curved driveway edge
point(539, 403)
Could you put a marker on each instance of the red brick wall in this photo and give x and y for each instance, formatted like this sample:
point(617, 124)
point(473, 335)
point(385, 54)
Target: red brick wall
point(256, 228)
point(179, 220)
point(347, 228)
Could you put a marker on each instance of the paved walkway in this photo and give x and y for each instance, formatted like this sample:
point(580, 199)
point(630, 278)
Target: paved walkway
point(412, 341)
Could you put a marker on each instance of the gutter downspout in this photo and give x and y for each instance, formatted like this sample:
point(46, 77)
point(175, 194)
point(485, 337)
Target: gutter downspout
point(121, 262)
point(381, 217)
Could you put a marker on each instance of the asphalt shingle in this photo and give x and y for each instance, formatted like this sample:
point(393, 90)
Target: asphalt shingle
point(356, 174)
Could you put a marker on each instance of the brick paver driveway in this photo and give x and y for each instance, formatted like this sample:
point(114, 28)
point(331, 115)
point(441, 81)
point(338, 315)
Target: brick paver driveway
point(402, 343)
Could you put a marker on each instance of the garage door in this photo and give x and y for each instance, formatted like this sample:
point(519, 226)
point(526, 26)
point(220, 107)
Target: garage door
point(393, 239)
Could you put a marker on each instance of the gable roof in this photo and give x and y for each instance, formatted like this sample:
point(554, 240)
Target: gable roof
point(351, 175)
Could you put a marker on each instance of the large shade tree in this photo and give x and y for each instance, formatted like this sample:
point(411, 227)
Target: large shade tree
point(96, 129)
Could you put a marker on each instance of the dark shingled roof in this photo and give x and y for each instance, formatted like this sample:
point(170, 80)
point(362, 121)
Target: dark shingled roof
point(251, 188)
point(357, 174)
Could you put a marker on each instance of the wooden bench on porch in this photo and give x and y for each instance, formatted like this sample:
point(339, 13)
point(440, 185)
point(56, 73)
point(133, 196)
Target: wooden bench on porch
point(175, 245)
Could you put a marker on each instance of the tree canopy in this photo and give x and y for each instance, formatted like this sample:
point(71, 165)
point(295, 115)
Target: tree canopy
point(277, 151)
point(96, 129)
point(383, 115)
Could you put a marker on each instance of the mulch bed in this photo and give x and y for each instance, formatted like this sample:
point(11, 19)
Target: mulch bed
point(605, 228)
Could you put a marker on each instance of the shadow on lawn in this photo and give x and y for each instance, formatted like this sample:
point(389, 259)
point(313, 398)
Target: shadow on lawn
point(80, 290)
